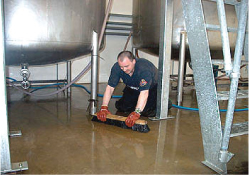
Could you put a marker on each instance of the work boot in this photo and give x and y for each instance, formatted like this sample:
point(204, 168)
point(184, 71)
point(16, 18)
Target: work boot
point(169, 104)
point(150, 113)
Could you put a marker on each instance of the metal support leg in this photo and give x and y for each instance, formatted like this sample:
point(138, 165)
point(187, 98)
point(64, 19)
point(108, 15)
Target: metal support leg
point(6, 165)
point(69, 89)
point(57, 74)
point(181, 67)
point(164, 59)
point(94, 74)
point(246, 47)
point(224, 155)
point(204, 83)
point(4, 129)
point(69, 77)
point(173, 67)
point(237, 8)
point(224, 37)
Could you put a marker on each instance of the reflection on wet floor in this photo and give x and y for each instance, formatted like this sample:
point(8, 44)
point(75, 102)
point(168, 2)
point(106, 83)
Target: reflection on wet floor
point(60, 138)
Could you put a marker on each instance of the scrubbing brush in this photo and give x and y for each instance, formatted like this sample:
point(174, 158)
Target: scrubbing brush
point(140, 125)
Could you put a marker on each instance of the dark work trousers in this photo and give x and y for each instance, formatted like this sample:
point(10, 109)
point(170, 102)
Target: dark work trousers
point(129, 99)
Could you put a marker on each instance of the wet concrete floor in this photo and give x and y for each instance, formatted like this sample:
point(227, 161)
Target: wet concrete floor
point(59, 138)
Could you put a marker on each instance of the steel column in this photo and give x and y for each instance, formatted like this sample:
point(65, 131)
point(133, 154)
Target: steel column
point(164, 59)
point(57, 74)
point(94, 74)
point(4, 128)
point(69, 77)
point(181, 66)
point(204, 83)
point(6, 165)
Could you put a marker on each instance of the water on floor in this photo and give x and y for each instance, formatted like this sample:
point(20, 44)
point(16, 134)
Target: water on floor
point(58, 137)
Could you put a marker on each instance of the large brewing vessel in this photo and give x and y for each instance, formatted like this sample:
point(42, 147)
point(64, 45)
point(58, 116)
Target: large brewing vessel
point(146, 26)
point(49, 31)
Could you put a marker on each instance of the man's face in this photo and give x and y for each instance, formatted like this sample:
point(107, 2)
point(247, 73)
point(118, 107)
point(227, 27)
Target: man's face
point(127, 66)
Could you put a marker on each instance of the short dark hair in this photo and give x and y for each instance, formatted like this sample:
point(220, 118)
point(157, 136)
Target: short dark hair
point(124, 54)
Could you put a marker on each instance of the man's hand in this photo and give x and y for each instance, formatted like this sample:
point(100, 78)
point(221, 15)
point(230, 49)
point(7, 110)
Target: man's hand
point(132, 118)
point(101, 115)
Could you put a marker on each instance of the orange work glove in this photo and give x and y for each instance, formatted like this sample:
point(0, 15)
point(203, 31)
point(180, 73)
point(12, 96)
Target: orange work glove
point(132, 118)
point(101, 115)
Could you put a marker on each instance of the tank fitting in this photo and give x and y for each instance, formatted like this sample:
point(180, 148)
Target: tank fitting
point(25, 73)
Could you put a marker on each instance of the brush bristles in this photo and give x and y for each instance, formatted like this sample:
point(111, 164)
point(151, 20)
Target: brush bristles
point(135, 127)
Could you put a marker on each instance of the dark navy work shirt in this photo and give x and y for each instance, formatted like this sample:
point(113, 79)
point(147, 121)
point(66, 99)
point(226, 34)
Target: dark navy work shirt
point(144, 76)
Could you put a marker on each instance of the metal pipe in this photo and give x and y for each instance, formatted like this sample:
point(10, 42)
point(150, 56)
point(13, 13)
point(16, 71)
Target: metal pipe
point(216, 61)
point(224, 37)
point(60, 90)
point(231, 2)
point(4, 128)
point(69, 77)
point(57, 74)
point(41, 82)
point(237, 8)
point(234, 79)
point(104, 23)
point(128, 39)
point(181, 66)
point(217, 28)
point(94, 74)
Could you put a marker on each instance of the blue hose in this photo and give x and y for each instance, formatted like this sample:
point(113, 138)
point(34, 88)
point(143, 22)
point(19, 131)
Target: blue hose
point(11, 79)
point(119, 96)
point(185, 108)
point(196, 109)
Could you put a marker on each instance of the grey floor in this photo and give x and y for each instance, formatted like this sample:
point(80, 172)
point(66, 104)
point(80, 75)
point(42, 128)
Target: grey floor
point(58, 137)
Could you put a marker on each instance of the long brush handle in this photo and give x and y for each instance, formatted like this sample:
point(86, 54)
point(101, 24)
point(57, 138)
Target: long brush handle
point(121, 118)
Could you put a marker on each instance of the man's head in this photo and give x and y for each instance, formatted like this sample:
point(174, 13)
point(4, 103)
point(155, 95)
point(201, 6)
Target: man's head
point(127, 62)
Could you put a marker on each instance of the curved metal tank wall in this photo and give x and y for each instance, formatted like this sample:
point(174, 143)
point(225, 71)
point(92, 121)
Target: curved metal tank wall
point(49, 31)
point(146, 27)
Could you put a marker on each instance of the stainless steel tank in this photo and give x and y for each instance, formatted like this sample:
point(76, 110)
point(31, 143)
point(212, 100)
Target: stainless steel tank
point(48, 31)
point(146, 26)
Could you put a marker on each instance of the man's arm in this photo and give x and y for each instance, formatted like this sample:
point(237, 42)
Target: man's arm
point(101, 115)
point(107, 95)
point(142, 99)
point(141, 102)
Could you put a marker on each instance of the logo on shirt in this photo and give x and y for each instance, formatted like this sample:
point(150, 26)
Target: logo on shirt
point(143, 82)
